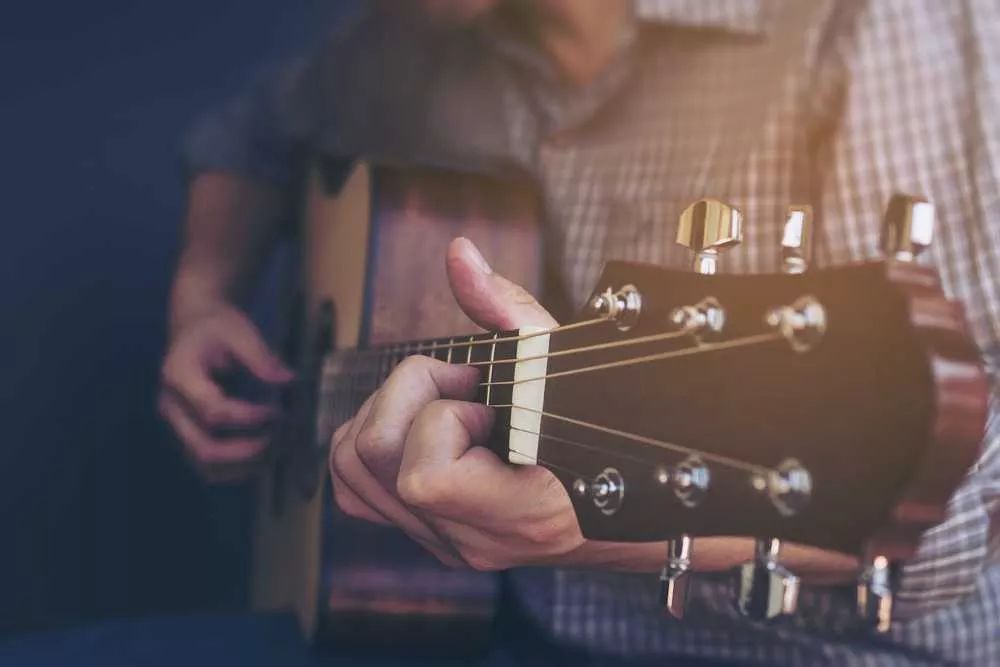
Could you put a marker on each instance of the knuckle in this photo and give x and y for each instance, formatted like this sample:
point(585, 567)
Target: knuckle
point(339, 461)
point(168, 371)
point(338, 435)
point(432, 414)
point(414, 364)
point(419, 489)
point(374, 443)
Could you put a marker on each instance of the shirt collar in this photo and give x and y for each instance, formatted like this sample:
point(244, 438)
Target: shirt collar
point(746, 17)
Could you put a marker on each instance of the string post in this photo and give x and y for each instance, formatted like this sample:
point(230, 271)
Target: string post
point(690, 481)
point(608, 491)
point(703, 320)
point(622, 307)
point(789, 486)
point(802, 324)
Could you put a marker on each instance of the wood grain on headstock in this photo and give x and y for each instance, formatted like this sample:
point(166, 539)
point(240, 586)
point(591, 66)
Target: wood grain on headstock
point(886, 413)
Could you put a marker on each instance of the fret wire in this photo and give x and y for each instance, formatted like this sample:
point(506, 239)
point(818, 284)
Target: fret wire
point(489, 373)
point(646, 440)
point(512, 339)
point(700, 348)
point(451, 344)
point(468, 352)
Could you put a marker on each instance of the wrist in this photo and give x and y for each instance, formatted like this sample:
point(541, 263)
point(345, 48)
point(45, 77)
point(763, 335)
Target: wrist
point(195, 295)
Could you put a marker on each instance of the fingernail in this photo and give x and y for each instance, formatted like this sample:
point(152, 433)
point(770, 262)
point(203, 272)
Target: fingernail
point(477, 258)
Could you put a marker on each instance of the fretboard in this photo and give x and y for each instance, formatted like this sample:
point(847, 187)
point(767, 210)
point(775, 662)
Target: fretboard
point(348, 377)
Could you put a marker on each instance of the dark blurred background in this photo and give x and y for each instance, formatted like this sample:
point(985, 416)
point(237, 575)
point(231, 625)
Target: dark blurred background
point(99, 516)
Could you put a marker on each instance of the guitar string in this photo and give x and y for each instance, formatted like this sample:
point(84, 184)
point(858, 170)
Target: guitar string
point(652, 338)
point(391, 347)
point(646, 440)
point(582, 445)
point(641, 340)
point(555, 466)
point(700, 348)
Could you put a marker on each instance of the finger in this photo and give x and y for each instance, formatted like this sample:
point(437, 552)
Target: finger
point(351, 503)
point(353, 475)
point(348, 431)
point(206, 449)
point(383, 507)
point(444, 473)
point(190, 383)
point(415, 383)
point(347, 500)
point(489, 299)
point(249, 348)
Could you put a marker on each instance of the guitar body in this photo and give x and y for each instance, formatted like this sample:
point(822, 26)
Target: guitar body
point(373, 272)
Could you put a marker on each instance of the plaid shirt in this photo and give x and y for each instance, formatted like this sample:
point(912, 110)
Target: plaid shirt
point(838, 103)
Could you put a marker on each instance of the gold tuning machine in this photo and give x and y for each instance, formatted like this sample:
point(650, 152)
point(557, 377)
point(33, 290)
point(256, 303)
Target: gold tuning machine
point(797, 239)
point(707, 227)
point(907, 228)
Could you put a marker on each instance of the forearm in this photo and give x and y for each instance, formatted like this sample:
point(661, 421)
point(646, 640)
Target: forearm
point(231, 224)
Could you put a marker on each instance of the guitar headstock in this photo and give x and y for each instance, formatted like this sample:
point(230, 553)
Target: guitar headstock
point(837, 408)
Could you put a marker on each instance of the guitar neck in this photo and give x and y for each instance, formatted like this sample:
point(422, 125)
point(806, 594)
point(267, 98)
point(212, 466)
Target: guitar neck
point(347, 377)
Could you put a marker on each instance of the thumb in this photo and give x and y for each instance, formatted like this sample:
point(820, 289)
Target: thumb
point(249, 348)
point(489, 299)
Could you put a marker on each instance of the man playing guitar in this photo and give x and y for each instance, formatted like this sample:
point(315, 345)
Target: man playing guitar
point(622, 113)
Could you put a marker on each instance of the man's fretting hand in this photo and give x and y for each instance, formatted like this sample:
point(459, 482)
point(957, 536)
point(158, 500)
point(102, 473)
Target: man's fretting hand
point(412, 456)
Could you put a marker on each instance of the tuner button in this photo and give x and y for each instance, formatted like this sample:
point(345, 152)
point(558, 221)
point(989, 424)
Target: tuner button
point(706, 227)
point(908, 227)
point(796, 239)
point(875, 594)
point(675, 578)
point(765, 589)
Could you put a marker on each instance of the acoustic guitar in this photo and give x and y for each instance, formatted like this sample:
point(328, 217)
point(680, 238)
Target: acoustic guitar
point(372, 273)
point(837, 408)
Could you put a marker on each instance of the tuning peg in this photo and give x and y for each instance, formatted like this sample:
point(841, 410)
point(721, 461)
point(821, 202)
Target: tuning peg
point(875, 593)
point(675, 577)
point(908, 227)
point(796, 239)
point(765, 589)
point(622, 307)
point(706, 227)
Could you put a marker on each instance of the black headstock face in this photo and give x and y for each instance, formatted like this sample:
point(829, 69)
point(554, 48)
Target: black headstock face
point(823, 440)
